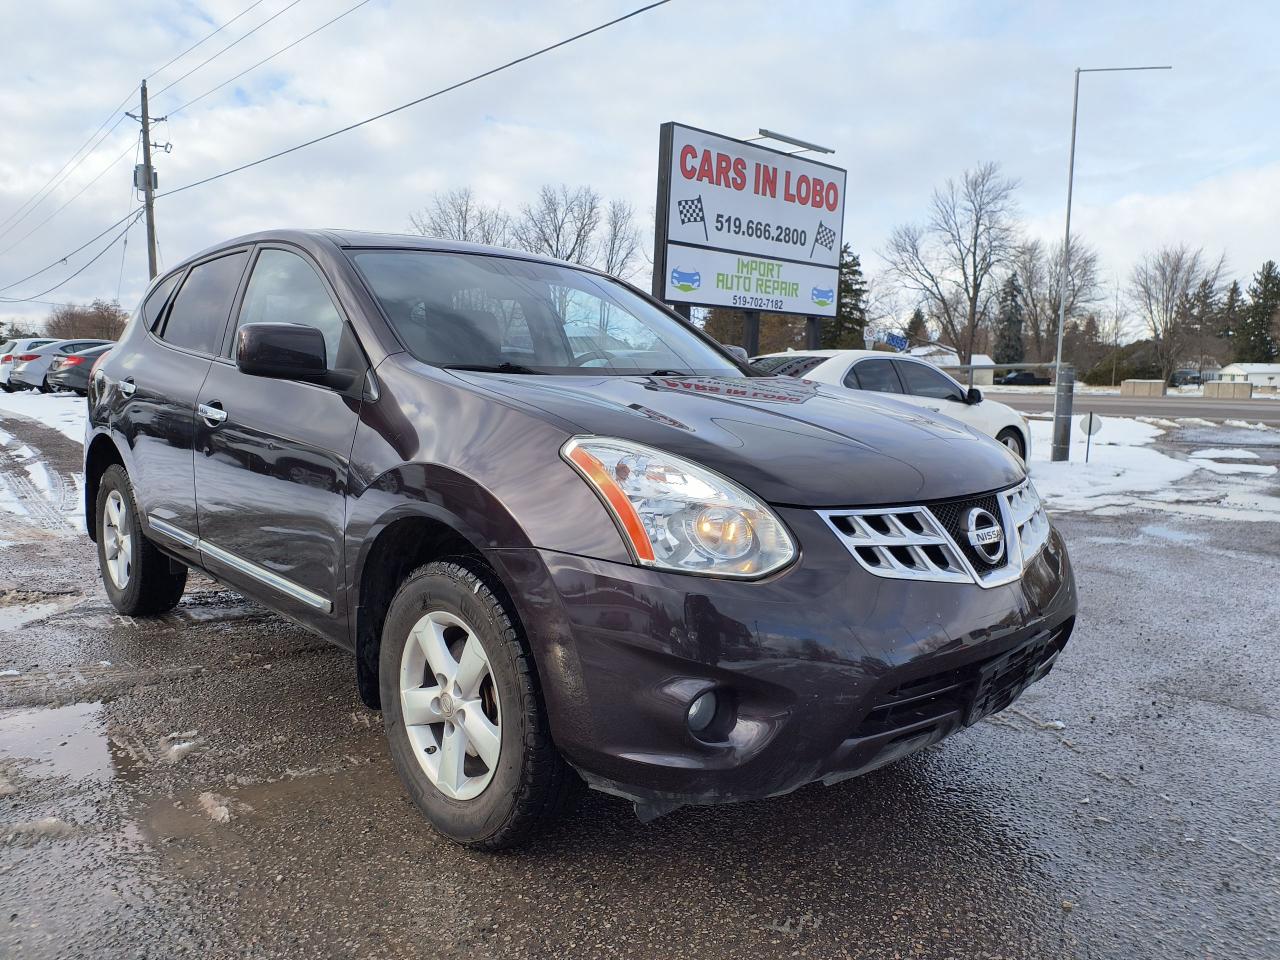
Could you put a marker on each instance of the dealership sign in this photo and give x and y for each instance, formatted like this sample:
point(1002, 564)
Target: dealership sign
point(744, 226)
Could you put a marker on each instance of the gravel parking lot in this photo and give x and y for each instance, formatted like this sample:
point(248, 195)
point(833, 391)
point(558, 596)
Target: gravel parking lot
point(208, 785)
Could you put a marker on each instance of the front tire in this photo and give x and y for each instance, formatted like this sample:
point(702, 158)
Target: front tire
point(140, 580)
point(1012, 438)
point(465, 719)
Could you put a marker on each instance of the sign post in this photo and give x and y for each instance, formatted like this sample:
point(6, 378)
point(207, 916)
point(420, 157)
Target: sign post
point(747, 227)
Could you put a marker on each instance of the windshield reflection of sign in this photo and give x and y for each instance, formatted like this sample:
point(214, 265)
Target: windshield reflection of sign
point(660, 417)
point(740, 388)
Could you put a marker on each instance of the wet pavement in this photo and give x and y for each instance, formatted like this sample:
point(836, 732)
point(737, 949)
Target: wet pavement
point(208, 785)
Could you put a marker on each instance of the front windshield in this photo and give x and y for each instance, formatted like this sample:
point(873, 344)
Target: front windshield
point(486, 312)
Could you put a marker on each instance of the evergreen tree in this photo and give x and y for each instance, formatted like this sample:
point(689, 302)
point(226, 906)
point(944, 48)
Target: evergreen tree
point(1232, 310)
point(917, 332)
point(1256, 339)
point(845, 330)
point(1008, 346)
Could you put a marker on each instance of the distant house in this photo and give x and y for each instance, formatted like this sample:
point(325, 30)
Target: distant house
point(1259, 374)
point(949, 360)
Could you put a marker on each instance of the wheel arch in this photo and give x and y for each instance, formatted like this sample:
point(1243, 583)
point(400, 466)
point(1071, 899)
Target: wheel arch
point(101, 453)
point(404, 538)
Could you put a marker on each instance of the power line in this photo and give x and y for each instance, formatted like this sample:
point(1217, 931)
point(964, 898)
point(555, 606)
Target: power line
point(328, 136)
point(67, 203)
point(208, 36)
point(40, 195)
point(305, 36)
point(67, 256)
point(413, 103)
point(92, 260)
point(46, 191)
point(241, 38)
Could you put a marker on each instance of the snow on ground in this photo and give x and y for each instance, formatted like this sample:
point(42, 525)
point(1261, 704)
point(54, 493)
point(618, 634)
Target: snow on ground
point(1126, 470)
point(65, 412)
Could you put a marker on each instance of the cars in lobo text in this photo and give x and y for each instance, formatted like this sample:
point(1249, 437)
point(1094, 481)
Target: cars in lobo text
point(641, 566)
point(913, 381)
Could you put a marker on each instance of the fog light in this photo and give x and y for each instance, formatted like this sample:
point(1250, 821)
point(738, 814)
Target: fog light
point(702, 711)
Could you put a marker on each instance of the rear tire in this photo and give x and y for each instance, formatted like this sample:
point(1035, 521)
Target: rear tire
point(44, 386)
point(1011, 437)
point(507, 778)
point(140, 580)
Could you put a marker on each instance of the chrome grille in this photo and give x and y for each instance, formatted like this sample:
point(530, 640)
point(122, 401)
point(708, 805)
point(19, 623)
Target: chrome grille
point(927, 542)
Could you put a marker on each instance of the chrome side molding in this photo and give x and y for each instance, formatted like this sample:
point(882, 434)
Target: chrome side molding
point(248, 568)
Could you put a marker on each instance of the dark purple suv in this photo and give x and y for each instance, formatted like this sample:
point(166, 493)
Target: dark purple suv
point(565, 533)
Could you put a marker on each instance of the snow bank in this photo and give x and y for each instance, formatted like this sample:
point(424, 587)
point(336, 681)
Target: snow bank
point(1125, 470)
point(64, 412)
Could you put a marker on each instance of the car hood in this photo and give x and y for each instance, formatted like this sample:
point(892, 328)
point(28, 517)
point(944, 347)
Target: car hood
point(791, 442)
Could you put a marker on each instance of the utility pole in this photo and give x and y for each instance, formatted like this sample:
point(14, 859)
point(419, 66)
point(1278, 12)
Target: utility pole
point(148, 193)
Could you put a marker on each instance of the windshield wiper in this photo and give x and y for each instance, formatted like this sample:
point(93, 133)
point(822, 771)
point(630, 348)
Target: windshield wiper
point(490, 367)
point(669, 373)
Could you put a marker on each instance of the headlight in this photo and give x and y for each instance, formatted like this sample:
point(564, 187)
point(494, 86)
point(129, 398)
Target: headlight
point(677, 515)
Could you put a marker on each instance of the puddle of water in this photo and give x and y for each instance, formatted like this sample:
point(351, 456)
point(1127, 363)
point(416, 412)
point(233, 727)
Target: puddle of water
point(1169, 533)
point(59, 741)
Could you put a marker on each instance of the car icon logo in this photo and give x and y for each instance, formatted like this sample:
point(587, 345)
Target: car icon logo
point(823, 298)
point(686, 281)
point(985, 534)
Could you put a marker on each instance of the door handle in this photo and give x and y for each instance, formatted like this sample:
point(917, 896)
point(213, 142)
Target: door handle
point(212, 413)
point(127, 387)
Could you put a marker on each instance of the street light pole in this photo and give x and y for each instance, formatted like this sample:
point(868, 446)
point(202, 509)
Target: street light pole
point(1062, 432)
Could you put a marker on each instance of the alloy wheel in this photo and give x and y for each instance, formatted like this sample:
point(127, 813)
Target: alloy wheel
point(449, 702)
point(117, 540)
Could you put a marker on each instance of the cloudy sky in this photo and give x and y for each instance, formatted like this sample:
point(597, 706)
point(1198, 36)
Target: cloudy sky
point(907, 94)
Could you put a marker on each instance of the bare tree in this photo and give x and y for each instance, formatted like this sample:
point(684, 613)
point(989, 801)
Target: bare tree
point(947, 261)
point(1040, 274)
point(102, 319)
point(1113, 326)
point(457, 215)
point(621, 243)
point(1161, 286)
point(560, 223)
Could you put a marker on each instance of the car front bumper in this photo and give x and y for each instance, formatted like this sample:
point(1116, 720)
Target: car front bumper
point(830, 670)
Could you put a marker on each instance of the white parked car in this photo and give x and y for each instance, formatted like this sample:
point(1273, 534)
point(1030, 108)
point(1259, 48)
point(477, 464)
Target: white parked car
point(11, 350)
point(915, 381)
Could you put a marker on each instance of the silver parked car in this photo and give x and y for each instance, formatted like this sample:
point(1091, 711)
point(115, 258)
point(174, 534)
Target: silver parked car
point(31, 367)
point(10, 350)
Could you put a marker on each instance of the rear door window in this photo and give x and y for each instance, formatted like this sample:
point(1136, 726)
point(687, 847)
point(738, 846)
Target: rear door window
point(198, 317)
point(876, 375)
point(921, 380)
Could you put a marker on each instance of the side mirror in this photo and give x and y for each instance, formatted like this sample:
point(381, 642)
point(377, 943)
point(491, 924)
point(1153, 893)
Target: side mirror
point(739, 353)
point(283, 351)
point(973, 395)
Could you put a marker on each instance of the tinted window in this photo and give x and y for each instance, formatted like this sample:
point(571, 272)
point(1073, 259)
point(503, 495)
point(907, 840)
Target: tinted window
point(460, 309)
point(159, 297)
point(874, 375)
point(283, 288)
point(199, 313)
point(6, 346)
point(921, 380)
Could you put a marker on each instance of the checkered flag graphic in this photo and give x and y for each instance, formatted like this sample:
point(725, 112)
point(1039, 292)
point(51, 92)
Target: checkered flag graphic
point(826, 237)
point(691, 212)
